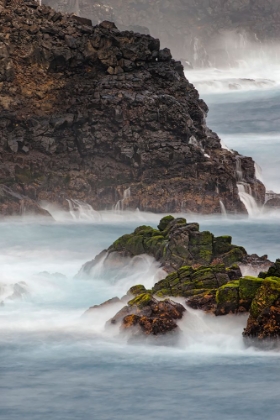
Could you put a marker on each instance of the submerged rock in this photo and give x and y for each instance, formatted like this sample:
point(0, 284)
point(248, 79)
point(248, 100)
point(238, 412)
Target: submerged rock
point(106, 117)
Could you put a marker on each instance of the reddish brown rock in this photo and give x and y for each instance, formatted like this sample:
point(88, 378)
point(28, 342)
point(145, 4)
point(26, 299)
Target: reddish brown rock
point(146, 316)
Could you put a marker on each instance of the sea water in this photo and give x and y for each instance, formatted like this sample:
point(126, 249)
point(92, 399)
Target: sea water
point(55, 363)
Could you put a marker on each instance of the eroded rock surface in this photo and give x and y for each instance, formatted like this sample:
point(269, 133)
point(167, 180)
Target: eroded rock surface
point(174, 244)
point(146, 316)
point(192, 28)
point(106, 117)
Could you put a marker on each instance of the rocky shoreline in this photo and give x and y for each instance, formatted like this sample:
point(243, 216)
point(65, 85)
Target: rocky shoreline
point(201, 269)
point(216, 32)
point(106, 117)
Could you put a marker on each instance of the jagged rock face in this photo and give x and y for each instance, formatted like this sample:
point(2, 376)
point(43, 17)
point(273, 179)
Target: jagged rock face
point(264, 320)
point(175, 244)
point(146, 316)
point(90, 112)
point(189, 27)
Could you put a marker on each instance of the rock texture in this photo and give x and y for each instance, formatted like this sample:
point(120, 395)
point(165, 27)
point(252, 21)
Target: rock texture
point(146, 316)
point(212, 281)
point(194, 29)
point(12, 202)
point(106, 117)
point(174, 244)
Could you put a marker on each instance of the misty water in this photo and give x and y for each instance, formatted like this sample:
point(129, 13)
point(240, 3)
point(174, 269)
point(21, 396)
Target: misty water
point(55, 363)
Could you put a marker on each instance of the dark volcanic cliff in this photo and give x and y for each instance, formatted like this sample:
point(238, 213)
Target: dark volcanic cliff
point(91, 112)
point(201, 31)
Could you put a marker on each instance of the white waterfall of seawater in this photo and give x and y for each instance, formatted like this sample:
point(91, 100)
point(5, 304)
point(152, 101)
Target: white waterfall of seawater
point(245, 191)
point(121, 203)
point(223, 209)
point(239, 172)
point(248, 200)
point(258, 172)
point(79, 210)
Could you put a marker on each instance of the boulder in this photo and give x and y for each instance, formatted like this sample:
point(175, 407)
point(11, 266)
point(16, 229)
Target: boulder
point(146, 316)
point(263, 326)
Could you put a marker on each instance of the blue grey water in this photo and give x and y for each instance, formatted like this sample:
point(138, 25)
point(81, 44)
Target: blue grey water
point(56, 364)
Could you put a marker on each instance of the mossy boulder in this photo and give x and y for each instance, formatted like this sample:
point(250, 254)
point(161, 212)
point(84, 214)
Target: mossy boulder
point(201, 247)
point(164, 222)
point(188, 280)
point(237, 253)
point(146, 316)
point(227, 298)
point(222, 245)
point(266, 295)
point(139, 289)
point(248, 287)
point(121, 243)
point(264, 320)
point(141, 300)
point(205, 300)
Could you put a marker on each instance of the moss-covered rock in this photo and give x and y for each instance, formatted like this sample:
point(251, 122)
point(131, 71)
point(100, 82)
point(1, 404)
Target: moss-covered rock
point(227, 298)
point(164, 222)
point(237, 253)
point(137, 290)
point(266, 295)
point(248, 287)
point(176, 245)
point(146, 316)
point(201, 247)
point(188, 281)
point(121, 243)
point(141, 300)
point(264, 319)
point(222, 245)
point(274, 270)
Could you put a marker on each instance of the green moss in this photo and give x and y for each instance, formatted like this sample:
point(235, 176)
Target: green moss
point(135, 245)
point(141, 300)
point(233, 256)
point(248, 287)
point(164, 222)
point(233, 267)
point(202, 292)
point(206, 255)
point(162, 284)
point(218, 268)
point(201, 247)
point(274, 270)
point(266, 295)
point(227, 298)
point(121, 243)
point(137, 290)
point(203, 273)
point(163, 293)
point(146, 231)
point(153, 244)
point(185, 272)
point(221, 245)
